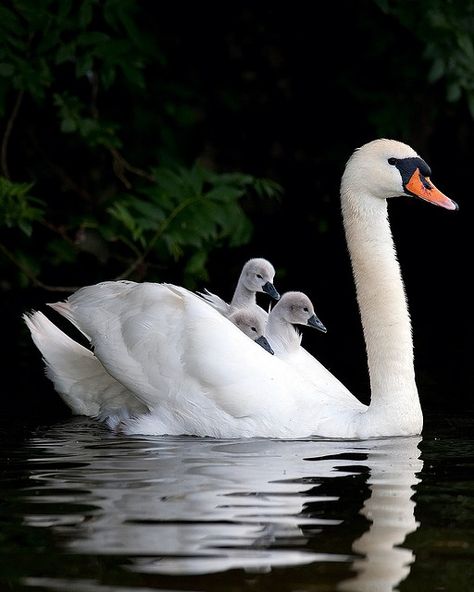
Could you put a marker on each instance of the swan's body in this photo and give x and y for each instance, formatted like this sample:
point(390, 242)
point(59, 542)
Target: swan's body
point(199, 375)
point(256, 276)
point(296, 308)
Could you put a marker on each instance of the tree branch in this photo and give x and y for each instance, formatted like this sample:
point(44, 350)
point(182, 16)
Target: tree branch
point(178, 209)
point(121, 165)
point(8, 131)
point(31, 276)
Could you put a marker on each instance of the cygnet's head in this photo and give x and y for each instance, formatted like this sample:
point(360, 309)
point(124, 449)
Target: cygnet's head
point(387, 168)
point(253, 325)
point(257, 276)
point(296, 308)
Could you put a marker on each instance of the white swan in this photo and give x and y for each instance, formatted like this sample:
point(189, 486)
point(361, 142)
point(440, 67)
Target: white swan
point(199, 375)
point(293, 308)
point(256, 276)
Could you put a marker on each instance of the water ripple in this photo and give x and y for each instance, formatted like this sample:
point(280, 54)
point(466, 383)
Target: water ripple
point(199, 506)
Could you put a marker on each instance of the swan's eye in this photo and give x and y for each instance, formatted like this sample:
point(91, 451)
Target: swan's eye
point(260, 277)
point(254, 329)
point(306, 309)
point(392, 161)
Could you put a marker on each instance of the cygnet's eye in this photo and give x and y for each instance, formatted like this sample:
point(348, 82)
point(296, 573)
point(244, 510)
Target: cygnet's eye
point(392, 161)
point(254, 329)
point(306, 309)
point(260, 277)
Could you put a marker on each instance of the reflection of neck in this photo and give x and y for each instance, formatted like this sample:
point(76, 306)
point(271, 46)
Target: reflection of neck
point(391, 511)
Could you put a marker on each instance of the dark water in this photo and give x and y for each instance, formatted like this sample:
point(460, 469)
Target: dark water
point(83, 510)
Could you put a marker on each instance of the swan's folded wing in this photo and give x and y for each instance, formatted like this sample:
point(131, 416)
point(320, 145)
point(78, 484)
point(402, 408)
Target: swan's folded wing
point(312, 369)
point(134, 330)
point(170, 348)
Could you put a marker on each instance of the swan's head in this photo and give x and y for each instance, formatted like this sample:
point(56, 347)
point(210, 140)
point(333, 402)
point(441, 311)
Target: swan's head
point(257, 276)
point(387, 168)
point(296, 308)
point(253, 325)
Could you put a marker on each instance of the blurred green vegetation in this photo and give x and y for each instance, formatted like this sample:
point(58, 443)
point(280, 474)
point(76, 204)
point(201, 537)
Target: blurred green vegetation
point(446, 30)
point(99, 174)
point(81, 69)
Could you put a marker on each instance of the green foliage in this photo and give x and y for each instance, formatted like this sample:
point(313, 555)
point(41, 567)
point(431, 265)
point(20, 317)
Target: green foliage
point(94, 38)
point(446, 29)
point(73, 93)
point(187, 211)
point(18, 209)
point(94, 131)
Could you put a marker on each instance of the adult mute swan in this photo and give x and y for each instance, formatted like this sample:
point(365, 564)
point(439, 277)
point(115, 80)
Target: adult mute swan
point(196, 373)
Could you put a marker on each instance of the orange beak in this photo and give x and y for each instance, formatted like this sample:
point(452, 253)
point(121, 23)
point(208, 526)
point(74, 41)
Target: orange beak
point(423, 187)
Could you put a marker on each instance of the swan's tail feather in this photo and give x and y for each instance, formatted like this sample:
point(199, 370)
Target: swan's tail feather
point(66, 361)
point(78, 376)
point(64, 309)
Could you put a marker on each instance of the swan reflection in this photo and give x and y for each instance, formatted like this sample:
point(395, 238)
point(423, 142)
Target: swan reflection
point(393, 467)
point(196, 506)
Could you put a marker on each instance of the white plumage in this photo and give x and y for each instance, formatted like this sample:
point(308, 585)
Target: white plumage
point(176, 356)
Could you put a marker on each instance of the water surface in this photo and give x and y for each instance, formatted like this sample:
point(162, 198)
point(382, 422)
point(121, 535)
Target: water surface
point(85, 510)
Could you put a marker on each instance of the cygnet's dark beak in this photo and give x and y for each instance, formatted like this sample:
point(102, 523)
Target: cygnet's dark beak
point(316, 323)
point(269, 289)
point(263, 341)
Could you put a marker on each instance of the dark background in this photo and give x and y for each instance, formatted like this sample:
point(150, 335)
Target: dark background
point(285, 93)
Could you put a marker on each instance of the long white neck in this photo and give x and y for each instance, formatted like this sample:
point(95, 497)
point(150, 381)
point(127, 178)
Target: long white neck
point(243, 297)
point(383, 309)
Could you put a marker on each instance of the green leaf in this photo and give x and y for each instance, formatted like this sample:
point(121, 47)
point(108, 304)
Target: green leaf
point(465, 43)
point(267, 188)
point(18, 209)
point(133, 74)
point(453, 92)
point(65, 53)
point(61, 251)
point(84, 65)
point(196, 266)
point(64, 8)
point(6, 69)
point(110, 13)
point(68, 125)
point(107, 75)
point(150, 210)
point(121, 213)
point(85, 13)
point(92, 38)
point(225, 193)
point(437, 70)
point(9, 21)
